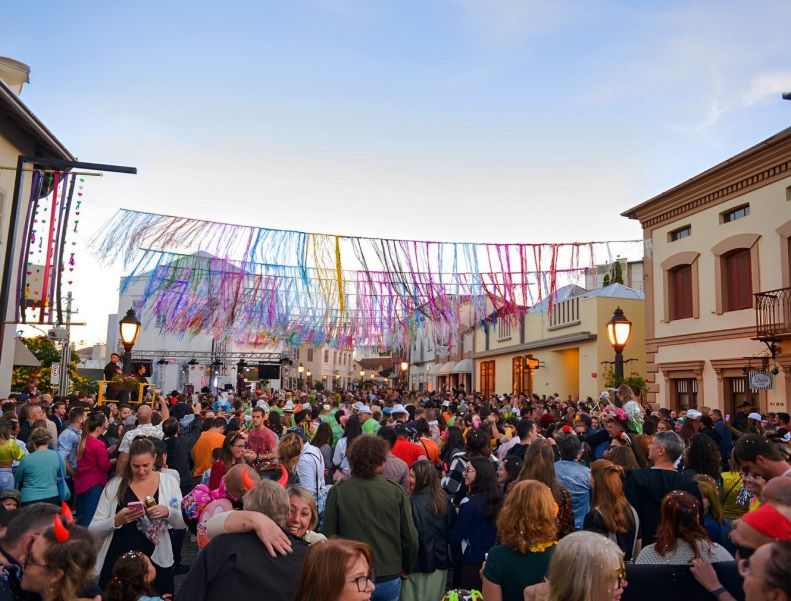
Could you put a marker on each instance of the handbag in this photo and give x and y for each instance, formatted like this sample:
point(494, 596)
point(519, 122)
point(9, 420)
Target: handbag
point(63, 489)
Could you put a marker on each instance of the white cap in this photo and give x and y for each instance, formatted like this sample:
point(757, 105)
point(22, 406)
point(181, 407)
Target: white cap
point(365, 409)
point(754, 415)
point(694, 414)
point(398, 408)
point(289, 406)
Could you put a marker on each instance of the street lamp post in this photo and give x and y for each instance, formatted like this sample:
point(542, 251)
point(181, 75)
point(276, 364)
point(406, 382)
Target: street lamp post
point(337, 381)
point(404, 368)
point(619, 328)
point(129, 328)
point(362, 377)
point(307, 375)
point(301, 370)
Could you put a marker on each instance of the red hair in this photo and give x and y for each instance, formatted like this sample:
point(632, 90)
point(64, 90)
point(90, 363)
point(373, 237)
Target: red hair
point(680, 521)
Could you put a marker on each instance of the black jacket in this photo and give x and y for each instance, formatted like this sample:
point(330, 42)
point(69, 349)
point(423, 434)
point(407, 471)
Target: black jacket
point(238, 567)
point(432, 533)
point(645, 489)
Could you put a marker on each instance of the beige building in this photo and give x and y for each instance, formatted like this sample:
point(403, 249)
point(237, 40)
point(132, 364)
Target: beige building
point(718, 240)
point(569, 342)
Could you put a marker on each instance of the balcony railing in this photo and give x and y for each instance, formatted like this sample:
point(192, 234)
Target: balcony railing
point(773, 314)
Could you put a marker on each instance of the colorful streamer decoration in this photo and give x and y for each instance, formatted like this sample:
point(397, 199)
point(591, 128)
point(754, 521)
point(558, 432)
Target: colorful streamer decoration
point(260, 286)
point(42, 263)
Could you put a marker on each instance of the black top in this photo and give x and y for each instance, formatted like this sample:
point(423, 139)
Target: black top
point(238, 566)
point(110, 370)
point(432, 533)
point(645, 488)
point(126, 538)
point(594, 521)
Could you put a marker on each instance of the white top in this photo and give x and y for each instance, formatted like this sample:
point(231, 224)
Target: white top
point(683, 554)
point(141, 430)
point(310, 469)
point(103, 528)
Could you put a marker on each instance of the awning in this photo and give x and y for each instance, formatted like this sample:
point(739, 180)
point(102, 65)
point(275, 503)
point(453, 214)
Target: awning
point(446, 368)
point(462, 367)
point(23, 357)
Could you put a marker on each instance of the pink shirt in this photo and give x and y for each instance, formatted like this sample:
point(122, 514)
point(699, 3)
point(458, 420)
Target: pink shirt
point(92, 467)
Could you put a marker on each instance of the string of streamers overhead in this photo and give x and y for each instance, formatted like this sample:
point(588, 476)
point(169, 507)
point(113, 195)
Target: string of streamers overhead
point(262, 286)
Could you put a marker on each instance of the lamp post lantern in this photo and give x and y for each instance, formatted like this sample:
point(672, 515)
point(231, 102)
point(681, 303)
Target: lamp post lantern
point(404, 368)
point(129, 328)
point(619, 328)
point(301, 370)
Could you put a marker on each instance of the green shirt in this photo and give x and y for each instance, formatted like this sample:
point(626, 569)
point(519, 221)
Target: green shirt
point(513, 570)
point(376, 512)
point(371, 426)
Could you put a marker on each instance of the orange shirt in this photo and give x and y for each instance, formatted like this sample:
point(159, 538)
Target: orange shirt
point(201, 452)
point(431, 448)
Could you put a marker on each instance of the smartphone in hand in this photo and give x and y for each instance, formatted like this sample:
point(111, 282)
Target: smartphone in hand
point(136, 506)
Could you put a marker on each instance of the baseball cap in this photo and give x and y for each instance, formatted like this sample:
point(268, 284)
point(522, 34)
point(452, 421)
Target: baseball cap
point(694, 414)
point(364, 409)
point(398, 408)
point(754, 415)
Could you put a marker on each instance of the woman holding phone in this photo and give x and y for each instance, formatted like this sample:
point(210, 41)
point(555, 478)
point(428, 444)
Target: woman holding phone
point(134, 513)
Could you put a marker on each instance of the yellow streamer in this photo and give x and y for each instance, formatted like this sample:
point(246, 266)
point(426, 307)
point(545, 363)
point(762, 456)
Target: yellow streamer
point(339, 273)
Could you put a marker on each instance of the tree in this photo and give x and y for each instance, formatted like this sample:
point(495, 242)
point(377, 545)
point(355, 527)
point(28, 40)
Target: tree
point(617, 273)
point(606, 281)
point(47, 353)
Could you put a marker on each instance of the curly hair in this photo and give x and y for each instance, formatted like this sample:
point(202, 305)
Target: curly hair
point(703, 456)
point(527, 516)
point(40, 437)
point(129, 578)
point(75, 558)
point(366, 455)
point(680, 521)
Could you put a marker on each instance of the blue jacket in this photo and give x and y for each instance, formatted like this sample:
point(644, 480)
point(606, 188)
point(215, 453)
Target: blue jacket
point(472, 530)
point(577, 480)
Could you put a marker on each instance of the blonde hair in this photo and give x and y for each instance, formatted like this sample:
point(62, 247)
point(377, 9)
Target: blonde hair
point(288, 449)
point(584, 567)
point(527, 516)
point(297, 490)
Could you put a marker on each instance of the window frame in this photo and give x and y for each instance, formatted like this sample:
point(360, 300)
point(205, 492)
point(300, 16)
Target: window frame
point(721, 251)
point(668, 266)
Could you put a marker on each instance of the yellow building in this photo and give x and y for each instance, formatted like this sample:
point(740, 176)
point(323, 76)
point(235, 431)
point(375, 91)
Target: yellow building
point(569, 342)
point(720, 260)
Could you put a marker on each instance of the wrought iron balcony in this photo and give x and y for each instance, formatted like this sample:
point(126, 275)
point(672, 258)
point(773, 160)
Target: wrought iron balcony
point(773, 314)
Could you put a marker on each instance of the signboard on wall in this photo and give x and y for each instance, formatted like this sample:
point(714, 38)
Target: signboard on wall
point(760, 380)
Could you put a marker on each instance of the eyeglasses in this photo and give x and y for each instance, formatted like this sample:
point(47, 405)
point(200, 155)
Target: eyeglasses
point(469, 470)
point(362, 582)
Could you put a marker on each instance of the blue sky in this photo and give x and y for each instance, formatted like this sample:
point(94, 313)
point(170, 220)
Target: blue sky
point(450, 119)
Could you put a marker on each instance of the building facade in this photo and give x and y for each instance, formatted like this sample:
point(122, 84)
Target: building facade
point(175, 361)
point(567, 344)
point(22, 134)
point(717, 241)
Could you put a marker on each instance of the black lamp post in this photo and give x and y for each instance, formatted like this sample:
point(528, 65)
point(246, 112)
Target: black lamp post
point(619, 328)
point(301, 370)
point(129, 328)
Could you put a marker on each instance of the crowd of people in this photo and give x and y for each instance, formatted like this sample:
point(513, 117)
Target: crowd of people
point(386, 494)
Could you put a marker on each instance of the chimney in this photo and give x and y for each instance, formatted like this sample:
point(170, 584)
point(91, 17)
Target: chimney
point(14, 74)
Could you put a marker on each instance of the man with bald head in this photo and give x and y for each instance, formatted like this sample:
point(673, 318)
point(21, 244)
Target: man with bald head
point(777, 492)
point(144, 428)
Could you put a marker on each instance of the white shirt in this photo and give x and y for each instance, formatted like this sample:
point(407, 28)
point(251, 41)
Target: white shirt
point(141, 430)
